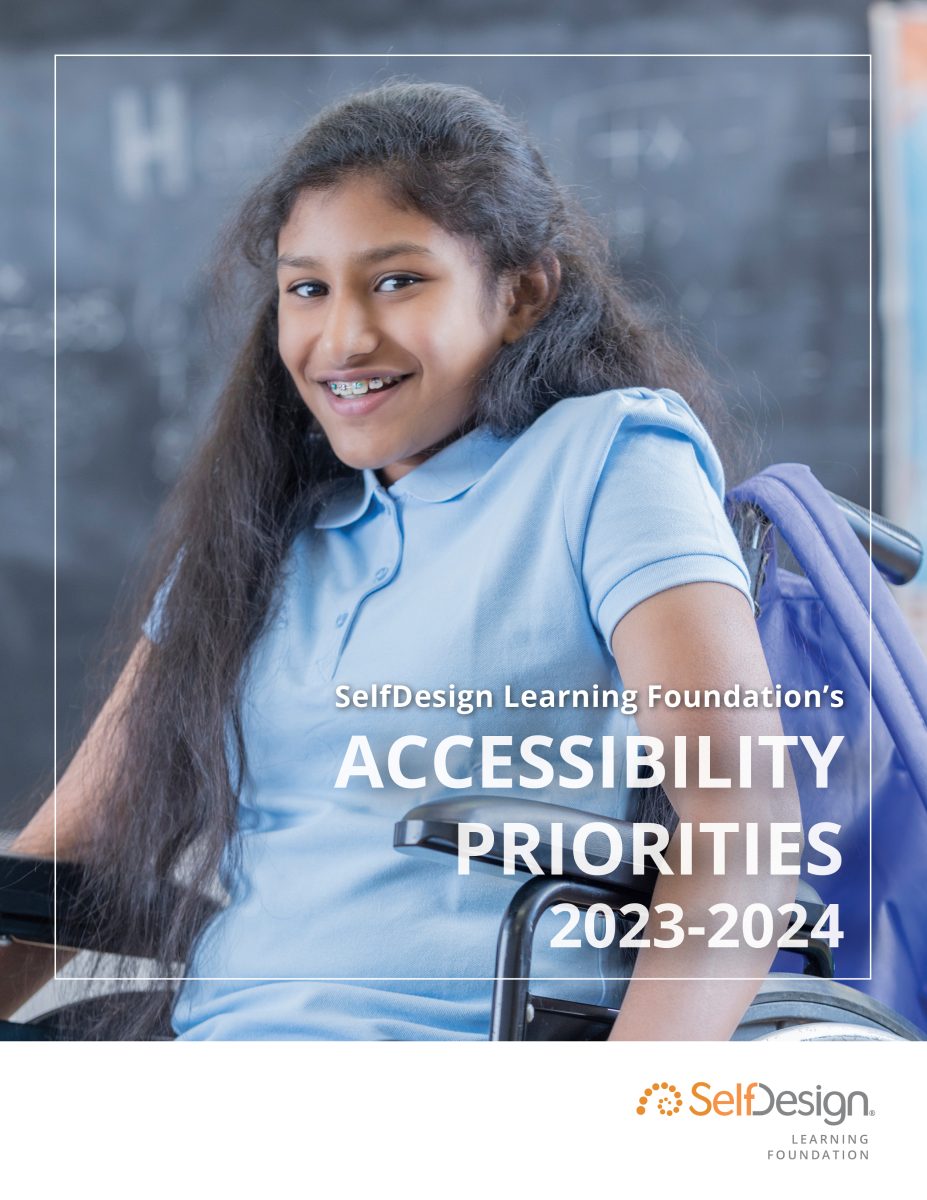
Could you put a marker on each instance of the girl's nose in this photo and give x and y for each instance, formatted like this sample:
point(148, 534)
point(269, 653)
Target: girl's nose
point(349, 330)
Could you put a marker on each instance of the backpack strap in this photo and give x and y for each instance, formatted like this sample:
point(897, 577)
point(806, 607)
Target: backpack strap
point(850, 588)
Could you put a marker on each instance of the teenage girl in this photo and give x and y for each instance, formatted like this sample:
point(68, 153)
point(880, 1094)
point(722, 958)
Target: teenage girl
point(447, 453)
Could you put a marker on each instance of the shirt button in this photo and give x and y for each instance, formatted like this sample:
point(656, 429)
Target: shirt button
point(382, 573)
point(340, 619)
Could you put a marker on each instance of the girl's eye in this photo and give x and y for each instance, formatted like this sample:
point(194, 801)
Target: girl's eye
point(389, 283)
point(400, 281)
point(305, 291)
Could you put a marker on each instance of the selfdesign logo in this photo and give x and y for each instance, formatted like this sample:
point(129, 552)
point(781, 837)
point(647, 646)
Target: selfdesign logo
point(667, 1104)
point(753, 1099)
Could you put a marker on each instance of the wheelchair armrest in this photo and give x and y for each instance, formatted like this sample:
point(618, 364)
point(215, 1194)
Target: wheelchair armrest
point(28, 906)
point(27, 898)
point(435, 828)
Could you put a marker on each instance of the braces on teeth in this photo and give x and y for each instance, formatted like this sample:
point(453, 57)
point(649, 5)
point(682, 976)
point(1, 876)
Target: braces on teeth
point(359, 387)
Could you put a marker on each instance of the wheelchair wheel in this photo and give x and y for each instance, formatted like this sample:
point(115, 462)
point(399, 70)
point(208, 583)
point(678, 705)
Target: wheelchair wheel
point(793, 1004)
point(825, 1031)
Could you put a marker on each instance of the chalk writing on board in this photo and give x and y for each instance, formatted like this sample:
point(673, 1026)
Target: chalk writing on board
point(87, 321)
point(151, 152)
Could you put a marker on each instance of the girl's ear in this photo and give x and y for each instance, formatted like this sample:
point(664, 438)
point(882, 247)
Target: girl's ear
point(531, 294)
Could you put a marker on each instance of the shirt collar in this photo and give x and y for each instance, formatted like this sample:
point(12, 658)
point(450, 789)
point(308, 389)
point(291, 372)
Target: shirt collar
point(350, 501)
point(449, 473)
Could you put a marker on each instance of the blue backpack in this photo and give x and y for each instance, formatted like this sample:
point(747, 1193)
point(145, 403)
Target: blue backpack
point(815, 630)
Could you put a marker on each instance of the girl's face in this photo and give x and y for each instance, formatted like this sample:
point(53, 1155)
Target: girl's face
point(384, 324)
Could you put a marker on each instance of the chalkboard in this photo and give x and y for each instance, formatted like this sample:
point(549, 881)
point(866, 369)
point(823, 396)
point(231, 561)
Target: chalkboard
point(735, 191)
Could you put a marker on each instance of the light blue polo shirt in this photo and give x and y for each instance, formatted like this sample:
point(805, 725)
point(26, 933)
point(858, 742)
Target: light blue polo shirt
point(498, 561)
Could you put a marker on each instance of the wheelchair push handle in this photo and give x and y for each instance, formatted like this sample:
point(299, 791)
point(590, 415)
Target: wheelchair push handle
point(897, 553)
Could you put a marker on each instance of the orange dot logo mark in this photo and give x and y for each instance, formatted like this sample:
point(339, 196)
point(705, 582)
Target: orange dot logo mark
point(668, 1104)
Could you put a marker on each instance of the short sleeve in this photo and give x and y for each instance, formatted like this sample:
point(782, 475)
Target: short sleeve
point(656, 518)
point(153, 625)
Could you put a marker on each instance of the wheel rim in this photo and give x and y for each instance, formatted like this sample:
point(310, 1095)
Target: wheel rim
point(830, 1031)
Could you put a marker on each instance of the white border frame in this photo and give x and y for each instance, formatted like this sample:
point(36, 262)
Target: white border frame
point(76, 978)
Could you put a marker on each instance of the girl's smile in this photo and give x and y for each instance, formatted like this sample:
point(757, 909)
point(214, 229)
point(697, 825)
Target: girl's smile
point(364, 394)
point(385, 323)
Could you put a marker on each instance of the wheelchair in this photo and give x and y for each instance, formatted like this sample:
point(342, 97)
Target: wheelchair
point(807, 1005)
point(810, 1005)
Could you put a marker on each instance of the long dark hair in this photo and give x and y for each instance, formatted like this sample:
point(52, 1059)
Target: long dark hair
point(167, 813)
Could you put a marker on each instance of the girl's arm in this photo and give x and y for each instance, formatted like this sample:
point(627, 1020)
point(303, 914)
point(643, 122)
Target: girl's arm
point(24, 967)
point(698, 636)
